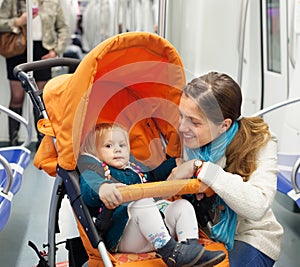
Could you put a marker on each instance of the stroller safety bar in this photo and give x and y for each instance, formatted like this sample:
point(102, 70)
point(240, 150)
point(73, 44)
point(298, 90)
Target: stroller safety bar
point(164, 189)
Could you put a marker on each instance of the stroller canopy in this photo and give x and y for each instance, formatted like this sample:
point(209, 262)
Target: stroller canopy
point(134, 79)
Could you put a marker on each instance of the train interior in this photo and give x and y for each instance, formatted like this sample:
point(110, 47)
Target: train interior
point(256, 42)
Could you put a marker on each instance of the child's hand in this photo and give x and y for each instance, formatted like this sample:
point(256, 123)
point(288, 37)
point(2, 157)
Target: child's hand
point(179, 161)
point(110, 195)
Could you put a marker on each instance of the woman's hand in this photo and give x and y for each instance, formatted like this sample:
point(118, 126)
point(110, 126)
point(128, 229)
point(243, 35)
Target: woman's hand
point(21, 21)
point(51, 54)
point(184, 170)
point(110, 195)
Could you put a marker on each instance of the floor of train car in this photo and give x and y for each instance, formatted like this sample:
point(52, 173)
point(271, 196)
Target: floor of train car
point(29, 219)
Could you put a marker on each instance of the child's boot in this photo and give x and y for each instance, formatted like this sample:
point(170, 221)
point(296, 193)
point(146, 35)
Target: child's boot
point(209, 258)
point(176, 254)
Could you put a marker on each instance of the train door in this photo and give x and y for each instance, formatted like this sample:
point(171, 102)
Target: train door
point(275, 51)
point(281, 73)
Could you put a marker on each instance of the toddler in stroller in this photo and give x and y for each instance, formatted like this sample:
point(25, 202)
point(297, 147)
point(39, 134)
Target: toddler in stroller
point(138, 227)
point(133, 79)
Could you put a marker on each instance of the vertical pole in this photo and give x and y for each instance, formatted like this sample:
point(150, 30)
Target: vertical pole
point(241, 46)
point(132, 17)
point(29, 31)
point(29, 59)
point(162, 10)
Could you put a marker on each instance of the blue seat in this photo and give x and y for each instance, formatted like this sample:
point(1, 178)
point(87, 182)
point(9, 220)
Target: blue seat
point(13, 162)
point(285, 183)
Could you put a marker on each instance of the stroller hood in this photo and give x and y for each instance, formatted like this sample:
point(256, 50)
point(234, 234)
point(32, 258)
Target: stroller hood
point(134, 79)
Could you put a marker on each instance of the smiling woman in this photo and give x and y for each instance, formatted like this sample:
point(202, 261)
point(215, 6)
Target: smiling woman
point(240, 162)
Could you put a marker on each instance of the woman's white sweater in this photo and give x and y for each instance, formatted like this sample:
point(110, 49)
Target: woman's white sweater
point(251, 200)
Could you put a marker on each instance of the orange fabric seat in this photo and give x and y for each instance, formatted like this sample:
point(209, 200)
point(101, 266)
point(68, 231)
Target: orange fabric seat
point(145, 259)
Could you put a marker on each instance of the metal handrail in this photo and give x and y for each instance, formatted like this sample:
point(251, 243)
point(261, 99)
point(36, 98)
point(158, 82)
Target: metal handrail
point(9, 175)
point(276, 106)
point(20, 119)
point(294, 176)
point(268, 110)
point(241, 44)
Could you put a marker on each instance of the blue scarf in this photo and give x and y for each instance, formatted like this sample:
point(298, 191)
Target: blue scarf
point(216, 149)
point(224, 230)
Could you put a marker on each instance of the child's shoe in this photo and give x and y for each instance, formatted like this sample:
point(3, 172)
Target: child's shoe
point(176, 254)
point(209, 258)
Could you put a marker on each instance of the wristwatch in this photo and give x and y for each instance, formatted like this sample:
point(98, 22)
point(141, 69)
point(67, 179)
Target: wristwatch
point(197, 166)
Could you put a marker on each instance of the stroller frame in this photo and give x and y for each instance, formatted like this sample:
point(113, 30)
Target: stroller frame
point(67, 180)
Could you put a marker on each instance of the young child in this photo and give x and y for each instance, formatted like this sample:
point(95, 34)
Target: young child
point(138, 227)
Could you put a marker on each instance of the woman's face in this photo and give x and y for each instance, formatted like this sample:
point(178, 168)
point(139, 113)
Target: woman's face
point(194, 126)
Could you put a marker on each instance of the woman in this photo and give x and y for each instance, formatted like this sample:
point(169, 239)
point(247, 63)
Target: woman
point(239, 162)
point(50, 37)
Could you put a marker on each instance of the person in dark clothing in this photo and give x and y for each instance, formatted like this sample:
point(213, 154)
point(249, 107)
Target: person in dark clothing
point(50, 35)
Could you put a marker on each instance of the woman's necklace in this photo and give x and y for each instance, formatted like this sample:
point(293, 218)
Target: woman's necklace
point(137, 169)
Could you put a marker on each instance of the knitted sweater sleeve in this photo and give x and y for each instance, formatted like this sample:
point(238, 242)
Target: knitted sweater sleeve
point(251, 199)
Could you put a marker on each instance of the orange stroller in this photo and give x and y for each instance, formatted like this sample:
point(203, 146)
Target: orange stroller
point(134, 79)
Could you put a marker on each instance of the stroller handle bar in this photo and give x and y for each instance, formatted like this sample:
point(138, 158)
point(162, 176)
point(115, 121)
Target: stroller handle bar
point(28, 82)
point(45, 63)
point(164, 189)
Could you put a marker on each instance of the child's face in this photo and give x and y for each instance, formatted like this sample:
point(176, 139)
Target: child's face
point(113, 149)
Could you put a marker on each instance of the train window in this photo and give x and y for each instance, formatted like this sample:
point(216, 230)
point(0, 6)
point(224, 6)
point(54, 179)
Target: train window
point(273, 36)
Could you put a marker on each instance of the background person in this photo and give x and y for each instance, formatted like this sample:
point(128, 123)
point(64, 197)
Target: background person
point(50, 37)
